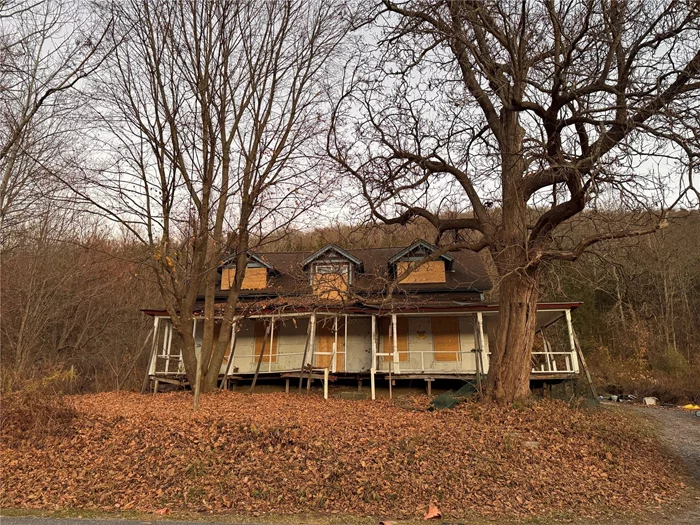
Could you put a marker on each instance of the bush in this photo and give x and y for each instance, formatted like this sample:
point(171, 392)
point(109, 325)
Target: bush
point(38, 409)
point(671, 362)
point(667, 376)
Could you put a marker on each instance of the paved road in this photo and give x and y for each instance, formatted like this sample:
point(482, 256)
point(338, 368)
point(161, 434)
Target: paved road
point(681, 435)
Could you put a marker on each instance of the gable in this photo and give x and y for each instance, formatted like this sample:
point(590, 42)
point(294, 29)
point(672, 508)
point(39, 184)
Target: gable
point(256, 273)
point(331, 253)
point(406, 265)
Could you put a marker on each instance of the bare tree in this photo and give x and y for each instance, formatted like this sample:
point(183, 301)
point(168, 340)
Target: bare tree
point(69, 300)
point(520, 115)
point(47, 47)
point(213, 113)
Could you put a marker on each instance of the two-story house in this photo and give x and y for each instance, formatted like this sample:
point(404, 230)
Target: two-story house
point(363, 314)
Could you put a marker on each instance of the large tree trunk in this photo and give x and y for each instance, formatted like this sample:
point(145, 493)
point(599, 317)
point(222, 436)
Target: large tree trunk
point(509, 369)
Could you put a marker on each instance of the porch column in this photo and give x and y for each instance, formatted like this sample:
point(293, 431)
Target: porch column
point(345, 343)
point(154, 346)
point(272, 341)
point(334, 357)
point(312, 339)
point(395, 359)
point(572, 342)
point(169, 338)
point(480, 335)
point(373, 368)
point(232, 349)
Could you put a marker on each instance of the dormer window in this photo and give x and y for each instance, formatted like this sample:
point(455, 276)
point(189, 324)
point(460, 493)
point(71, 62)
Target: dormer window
point(331, 270)
point(256, 273)
point(407, 267)
point(331, 280)
point(412, 272)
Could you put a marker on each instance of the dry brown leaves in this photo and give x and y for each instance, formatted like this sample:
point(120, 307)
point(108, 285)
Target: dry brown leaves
point(288, 453)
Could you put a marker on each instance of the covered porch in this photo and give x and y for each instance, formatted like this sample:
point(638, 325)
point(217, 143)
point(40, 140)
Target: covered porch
point(366, 343)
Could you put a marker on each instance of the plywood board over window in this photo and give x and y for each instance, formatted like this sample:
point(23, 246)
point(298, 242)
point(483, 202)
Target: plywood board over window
point(429, 272)
point(255, 278)
point(325, 337)
point(330, 281)
point(401, 337)
point(445, 338)
point(270, 349)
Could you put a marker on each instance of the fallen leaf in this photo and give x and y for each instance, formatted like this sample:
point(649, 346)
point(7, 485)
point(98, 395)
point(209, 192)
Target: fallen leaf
point(432, 514)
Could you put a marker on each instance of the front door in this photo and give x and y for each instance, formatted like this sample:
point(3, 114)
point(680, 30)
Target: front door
point(325, 338)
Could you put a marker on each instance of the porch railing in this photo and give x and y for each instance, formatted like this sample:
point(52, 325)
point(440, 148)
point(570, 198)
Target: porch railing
point(553, 362)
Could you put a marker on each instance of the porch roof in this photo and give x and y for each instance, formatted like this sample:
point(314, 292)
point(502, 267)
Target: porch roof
point(306, 307)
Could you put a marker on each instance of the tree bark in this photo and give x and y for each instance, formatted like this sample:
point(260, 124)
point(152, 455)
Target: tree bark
point(508, 378)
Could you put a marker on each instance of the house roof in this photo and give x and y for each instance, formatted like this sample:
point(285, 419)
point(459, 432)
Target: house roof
point(467, 273)
point(289, 286)
point(231, 259)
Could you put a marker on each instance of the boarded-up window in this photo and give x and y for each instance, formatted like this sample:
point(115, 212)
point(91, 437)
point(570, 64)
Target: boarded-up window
point(401, 337)
point(330, 281)
point(255, 278)
point(430, 272)
point(446, 338)
point(325, 337)
point(270, 355)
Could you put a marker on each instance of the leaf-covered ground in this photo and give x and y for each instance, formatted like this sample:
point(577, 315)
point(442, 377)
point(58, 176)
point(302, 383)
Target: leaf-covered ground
point(277, 453)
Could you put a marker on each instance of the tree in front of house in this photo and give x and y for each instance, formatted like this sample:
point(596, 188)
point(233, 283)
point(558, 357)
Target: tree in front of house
point(521, 115)
point(211, 113)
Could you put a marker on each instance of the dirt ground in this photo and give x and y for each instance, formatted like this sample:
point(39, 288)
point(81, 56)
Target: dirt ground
point(680, 431)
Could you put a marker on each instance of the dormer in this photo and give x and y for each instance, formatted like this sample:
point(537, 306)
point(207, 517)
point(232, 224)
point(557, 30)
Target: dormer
point(331, 271)
point(404, 264)
point(256, 273)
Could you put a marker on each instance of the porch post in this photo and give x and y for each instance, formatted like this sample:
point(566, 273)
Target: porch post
point(154, 346)
point(272, 343)
point(572, 342)
point(229, 364)
point(309, 328)
point(395, 359)
point(345, 343)
point(313, 340)
point(477, 355)
point(169, 335)
point(165, 344)
point(334, 357)
point(373, 368)
point(480, 326)
point(313, 351)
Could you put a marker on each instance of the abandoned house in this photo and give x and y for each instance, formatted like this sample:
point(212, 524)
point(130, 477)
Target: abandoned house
point(331, 312)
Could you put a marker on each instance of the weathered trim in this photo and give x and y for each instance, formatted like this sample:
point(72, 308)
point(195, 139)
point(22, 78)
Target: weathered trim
point(317, 254)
